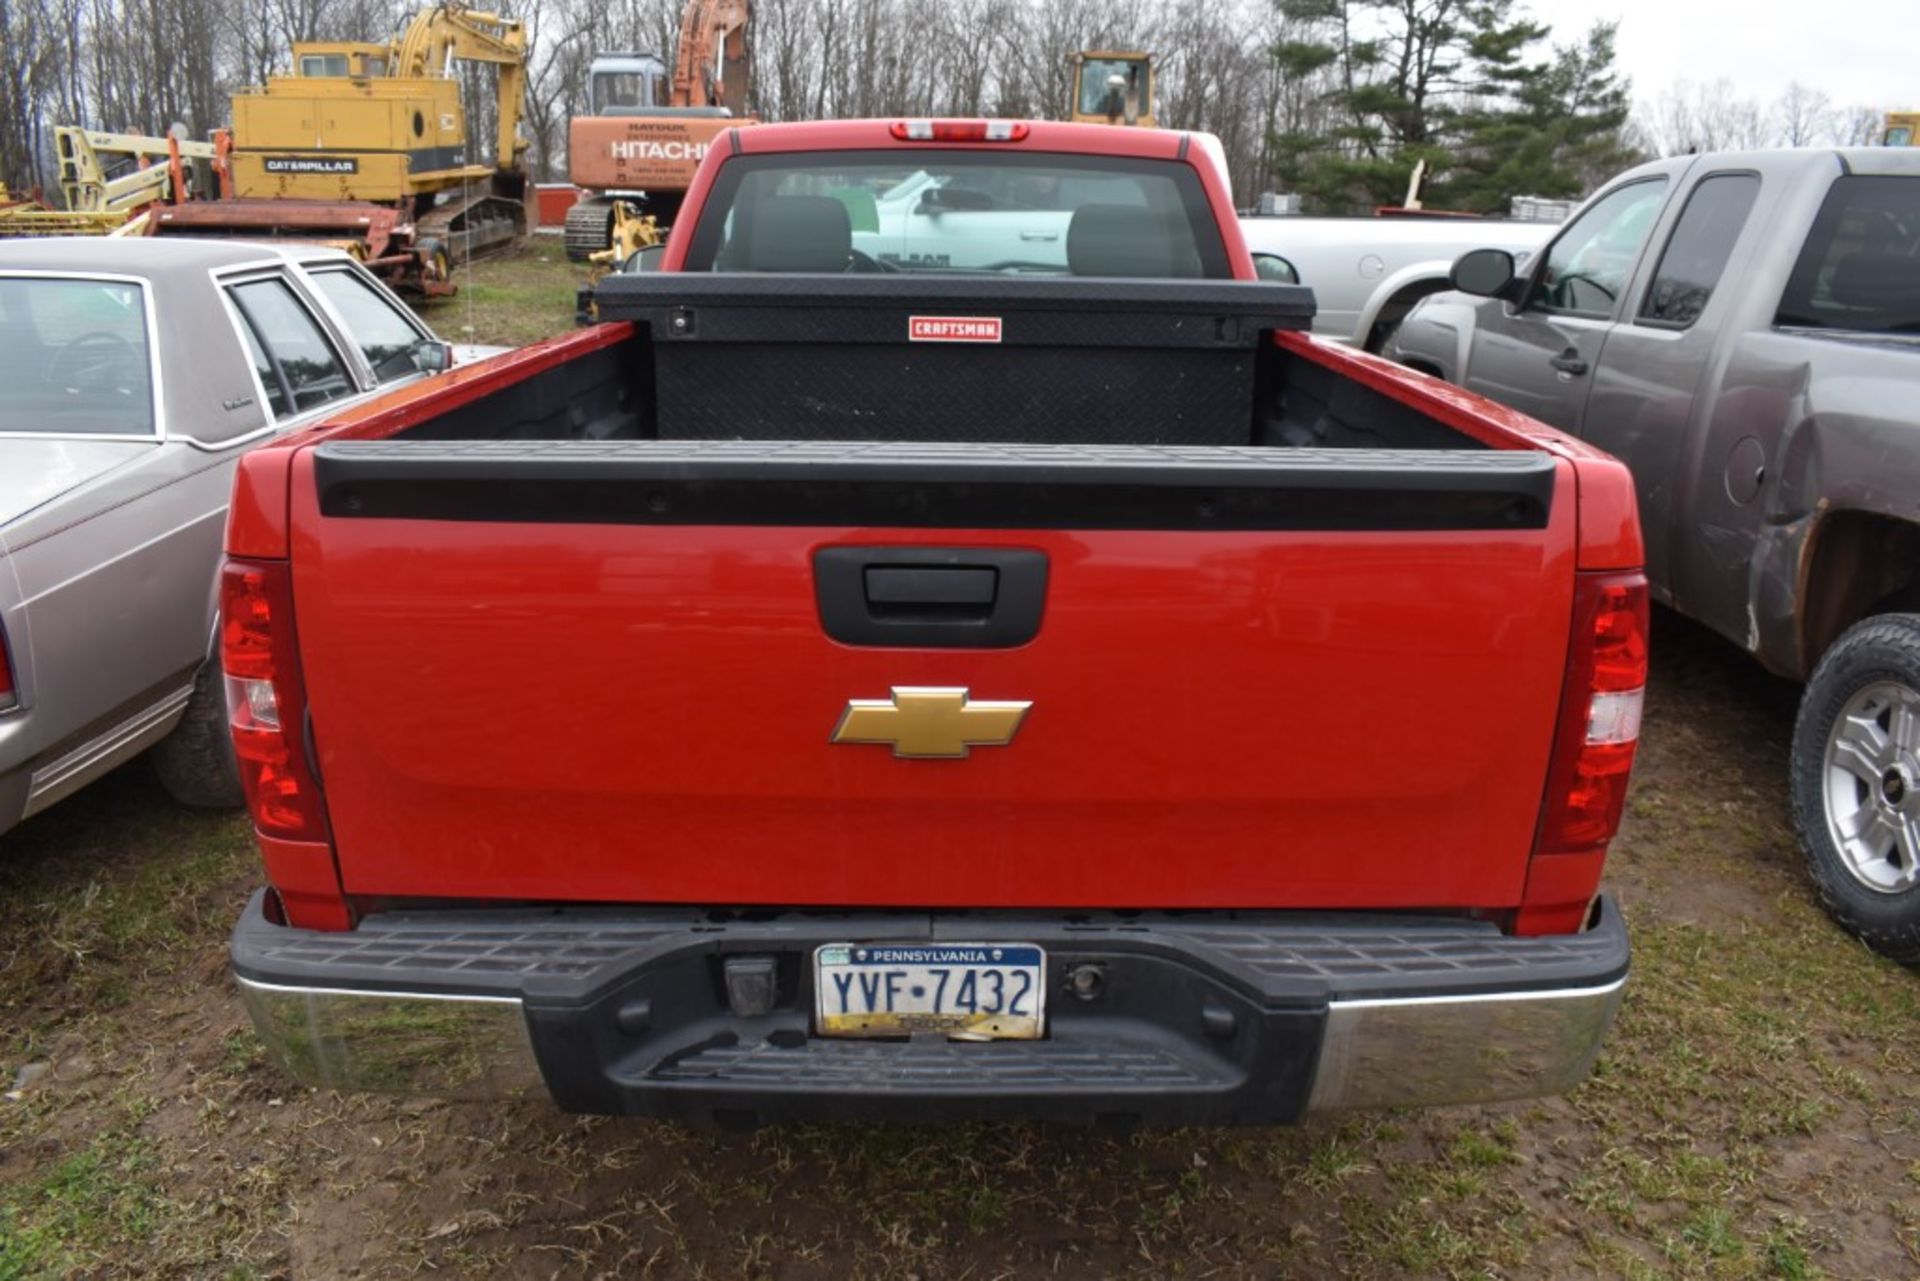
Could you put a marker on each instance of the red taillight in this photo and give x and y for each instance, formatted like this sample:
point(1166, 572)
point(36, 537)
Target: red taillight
point(1594, 743)
point(1619, 634)
point(960, 130)
point(266, 702)
point(9, 695)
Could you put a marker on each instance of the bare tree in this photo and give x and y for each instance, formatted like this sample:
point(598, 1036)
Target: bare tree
point(1856, 127)
point(1802, 117)
point(1686, 118)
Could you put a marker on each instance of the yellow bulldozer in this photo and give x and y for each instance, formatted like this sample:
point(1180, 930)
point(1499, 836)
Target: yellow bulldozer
point(366, 145)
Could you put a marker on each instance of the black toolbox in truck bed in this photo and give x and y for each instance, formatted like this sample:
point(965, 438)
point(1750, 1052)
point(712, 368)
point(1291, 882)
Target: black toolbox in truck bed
point(881, 357)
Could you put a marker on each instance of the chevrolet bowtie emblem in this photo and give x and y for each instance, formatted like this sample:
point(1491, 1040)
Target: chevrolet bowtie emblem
point(929, 722)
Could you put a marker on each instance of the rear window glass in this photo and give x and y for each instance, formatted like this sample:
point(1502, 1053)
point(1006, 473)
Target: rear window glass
point(297, 365)
point(1860, 268)
point(969, 212)
point(74, 357)
point(384, 335)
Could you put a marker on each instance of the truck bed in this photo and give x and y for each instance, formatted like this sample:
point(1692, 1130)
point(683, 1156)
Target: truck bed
point(1258, 640)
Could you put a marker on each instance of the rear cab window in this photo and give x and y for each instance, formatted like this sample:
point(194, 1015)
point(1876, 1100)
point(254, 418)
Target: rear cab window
point(1696, 253)
point(1859, 271)
point(954, 211)
point(298, 367)
point(378, 326)
point(76, 357)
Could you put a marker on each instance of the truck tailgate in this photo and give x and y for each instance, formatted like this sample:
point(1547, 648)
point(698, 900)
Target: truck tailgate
point(575, 671)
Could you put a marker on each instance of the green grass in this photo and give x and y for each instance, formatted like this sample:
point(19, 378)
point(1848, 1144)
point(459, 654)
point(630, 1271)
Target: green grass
point(88, 918)
point(511, 298)
point(101, 1200)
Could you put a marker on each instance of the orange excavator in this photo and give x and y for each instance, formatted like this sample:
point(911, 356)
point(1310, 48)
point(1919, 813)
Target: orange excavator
point(638, 150)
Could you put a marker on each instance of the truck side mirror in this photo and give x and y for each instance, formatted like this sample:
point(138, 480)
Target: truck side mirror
point(1487, 273)
point(1275, 268)
point(647, 259)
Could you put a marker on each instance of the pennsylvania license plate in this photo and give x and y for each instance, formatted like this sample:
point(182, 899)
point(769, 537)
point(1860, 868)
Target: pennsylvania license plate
point(971, 991)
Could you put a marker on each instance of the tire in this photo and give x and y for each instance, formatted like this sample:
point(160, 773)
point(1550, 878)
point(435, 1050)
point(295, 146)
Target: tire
point(1382, 333)
point(195, 762)
point(436, 263)
point(1856, 783)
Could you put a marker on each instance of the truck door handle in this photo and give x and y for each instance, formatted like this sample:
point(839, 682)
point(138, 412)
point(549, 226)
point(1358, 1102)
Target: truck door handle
point(1569, 362)
point(1039, 235)
point(938, 597)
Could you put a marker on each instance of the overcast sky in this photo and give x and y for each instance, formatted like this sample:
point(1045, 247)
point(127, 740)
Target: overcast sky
point(1860, 52)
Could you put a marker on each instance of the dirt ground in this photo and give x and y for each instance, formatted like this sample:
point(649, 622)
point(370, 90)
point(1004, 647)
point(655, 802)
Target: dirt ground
point(1756, 1112)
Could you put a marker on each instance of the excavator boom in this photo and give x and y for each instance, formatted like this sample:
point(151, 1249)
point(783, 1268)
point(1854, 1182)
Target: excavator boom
point(710, 66)
point(443, 35)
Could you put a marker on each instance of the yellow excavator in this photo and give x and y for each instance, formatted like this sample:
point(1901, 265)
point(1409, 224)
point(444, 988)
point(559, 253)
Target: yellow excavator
point(1903, 129)
point(365, 145)
point(1113, 88)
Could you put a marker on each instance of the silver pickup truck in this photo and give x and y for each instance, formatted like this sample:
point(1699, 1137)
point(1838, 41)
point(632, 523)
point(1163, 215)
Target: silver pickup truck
point(1743, 330)
point(1367, 273)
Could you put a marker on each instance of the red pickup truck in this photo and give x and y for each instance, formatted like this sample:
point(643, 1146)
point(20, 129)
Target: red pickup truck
point(867, 682)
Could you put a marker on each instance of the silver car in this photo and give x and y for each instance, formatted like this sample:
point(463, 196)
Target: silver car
point(133, 375)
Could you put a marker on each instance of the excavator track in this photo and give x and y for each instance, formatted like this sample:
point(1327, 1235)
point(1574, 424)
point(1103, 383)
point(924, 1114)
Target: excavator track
point(587, 228)
point(473, 227)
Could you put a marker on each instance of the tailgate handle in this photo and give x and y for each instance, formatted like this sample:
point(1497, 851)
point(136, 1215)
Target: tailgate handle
point(931, 597)
point(908, 588)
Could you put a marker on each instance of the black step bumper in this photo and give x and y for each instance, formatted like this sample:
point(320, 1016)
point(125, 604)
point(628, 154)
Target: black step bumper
point(1200, 1018)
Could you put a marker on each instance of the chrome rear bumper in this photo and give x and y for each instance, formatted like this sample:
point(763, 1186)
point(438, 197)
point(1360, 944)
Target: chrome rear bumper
point(1209, 1021)
point(1418, 1051)
point(470, 1047)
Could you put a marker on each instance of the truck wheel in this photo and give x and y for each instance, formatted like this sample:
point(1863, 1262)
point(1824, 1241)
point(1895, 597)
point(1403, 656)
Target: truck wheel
point(195, 762)
point(1856, 782)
